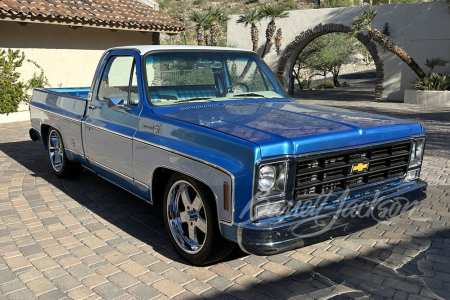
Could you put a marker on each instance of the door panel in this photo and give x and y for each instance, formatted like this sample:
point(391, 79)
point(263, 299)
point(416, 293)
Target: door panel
point(109, 129)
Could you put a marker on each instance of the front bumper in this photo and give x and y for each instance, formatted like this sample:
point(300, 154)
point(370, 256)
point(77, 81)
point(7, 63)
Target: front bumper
point(259, 239)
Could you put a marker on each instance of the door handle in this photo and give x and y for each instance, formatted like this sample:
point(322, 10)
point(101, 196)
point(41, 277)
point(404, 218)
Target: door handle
point(93, 107)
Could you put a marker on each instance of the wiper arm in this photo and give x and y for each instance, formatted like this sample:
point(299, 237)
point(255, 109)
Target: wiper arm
point(193, 99)
point(249, 95)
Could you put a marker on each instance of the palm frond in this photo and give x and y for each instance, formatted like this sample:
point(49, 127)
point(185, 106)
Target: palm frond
point(274, 11)
point(250, 17)
point(435, 62)
point(199, 17)
point(363, 22)
point(217, 15)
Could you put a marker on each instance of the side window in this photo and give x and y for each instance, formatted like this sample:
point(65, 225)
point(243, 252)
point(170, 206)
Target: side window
point(119, 80)
point(134, 89)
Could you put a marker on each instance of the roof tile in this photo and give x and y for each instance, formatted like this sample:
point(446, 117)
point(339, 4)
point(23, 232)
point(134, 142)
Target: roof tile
point(133, 14)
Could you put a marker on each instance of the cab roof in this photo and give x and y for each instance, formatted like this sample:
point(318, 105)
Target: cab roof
point(147, 48)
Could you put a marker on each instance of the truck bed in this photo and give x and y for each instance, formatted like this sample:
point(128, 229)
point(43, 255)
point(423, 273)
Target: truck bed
point(63, 109)
point(78, 92)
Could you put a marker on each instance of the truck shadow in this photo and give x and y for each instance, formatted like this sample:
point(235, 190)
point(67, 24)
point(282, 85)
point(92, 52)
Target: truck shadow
point(413, 257)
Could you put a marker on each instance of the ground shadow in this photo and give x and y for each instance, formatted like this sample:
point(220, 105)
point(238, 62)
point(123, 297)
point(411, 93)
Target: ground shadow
point(388, 265)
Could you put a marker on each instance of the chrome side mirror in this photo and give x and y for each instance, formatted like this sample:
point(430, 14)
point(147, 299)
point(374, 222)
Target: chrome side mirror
point(116, 103)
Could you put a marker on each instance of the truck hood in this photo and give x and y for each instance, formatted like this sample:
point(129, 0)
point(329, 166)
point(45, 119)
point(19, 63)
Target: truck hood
point(288, 127)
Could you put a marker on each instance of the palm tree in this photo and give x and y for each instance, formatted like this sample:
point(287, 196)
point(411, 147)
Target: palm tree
point(216, 16)
point(200, 18)
point(272, 12)
point(250, 17)
point(363, 22)
point(433, 63)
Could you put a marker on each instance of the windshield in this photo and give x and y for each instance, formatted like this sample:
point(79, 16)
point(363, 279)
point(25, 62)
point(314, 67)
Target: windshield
point(179, 77)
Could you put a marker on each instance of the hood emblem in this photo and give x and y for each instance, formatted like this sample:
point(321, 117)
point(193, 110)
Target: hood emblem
point(359, 167)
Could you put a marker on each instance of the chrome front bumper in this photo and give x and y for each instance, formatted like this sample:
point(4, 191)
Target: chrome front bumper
point(255, 238)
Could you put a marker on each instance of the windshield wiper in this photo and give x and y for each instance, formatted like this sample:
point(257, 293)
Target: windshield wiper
point(249, 95)
point(193, 99)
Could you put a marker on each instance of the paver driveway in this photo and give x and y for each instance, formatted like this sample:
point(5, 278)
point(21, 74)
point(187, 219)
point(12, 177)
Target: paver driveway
point(85, 238)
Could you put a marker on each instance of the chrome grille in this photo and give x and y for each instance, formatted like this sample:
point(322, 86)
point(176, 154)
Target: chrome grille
point(332, 172)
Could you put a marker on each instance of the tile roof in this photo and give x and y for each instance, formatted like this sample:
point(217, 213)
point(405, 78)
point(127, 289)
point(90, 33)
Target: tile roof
point(116, 14)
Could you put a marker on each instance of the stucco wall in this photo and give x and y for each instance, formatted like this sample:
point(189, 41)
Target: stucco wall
point(69, 57)
point(421, 29)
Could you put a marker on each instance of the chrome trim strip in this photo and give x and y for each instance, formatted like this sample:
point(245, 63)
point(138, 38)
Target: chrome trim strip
point(204, 182)
point(107, 130)
point(185, 155)
point(140, 182)
point(106, 167)
point(76, 152)
point(200, 161)
point(56, 114)
point(118, 185)
point(89, 169)
point(354, 147)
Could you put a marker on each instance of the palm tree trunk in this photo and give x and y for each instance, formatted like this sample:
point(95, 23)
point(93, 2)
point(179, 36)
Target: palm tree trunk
point(409, 61)
point(270, 31)
point(200, 35)
point(214, 31)
point(254, 33)
point(389, 45)
point(208, 39)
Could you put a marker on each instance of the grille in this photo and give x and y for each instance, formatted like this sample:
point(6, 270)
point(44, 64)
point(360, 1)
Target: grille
point(332, 172)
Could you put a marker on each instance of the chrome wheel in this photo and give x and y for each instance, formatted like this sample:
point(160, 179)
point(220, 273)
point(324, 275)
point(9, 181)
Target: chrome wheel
point(56, 150)
point(186, 216)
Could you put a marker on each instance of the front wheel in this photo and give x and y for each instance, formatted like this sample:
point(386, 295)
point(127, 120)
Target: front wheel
point(191, 221)
point(61, 166)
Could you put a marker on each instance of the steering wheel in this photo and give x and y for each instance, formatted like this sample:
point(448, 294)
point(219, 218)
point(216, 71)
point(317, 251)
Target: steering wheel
point(231, 88)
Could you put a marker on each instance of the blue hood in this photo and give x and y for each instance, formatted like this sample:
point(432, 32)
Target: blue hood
point(288, 127)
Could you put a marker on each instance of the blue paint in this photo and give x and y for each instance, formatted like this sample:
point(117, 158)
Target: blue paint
point(230, 136)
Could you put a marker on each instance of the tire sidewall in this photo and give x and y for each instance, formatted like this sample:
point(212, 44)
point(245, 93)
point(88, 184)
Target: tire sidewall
point(204, 255)
point(61, 172)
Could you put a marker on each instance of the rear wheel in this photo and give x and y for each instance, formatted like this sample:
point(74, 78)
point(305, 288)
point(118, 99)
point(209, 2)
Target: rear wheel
point(61, 166)
point(191, 221)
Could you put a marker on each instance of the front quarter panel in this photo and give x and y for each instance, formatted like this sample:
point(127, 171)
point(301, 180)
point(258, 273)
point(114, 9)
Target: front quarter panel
point(207, 155)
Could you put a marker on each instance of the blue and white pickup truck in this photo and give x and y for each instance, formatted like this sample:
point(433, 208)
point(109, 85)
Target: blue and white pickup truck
point(209, 135)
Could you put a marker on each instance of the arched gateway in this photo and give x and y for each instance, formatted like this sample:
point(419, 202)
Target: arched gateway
point(289, 55)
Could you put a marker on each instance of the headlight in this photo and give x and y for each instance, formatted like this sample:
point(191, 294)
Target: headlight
point(266, 178)
point(417, 152)
point(271, 179)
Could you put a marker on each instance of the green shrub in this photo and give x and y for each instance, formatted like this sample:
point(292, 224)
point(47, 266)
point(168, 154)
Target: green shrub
point(291, 5)
point(345, 84)
point(36, 82)
point(433, 81)
point(438, 82)
point(11, 89)
point(326, 85)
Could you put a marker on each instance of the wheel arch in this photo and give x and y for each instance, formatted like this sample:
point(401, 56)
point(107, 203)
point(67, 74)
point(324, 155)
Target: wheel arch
point(45, 129)
point(159, 178)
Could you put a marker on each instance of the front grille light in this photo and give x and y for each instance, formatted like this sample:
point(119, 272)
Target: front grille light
point(417, 152)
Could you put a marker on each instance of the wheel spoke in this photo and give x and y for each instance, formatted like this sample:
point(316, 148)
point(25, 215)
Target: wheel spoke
point(201, 224)
point(197, 204)
point(185, 197)
point(54, 141)
point(192, 233)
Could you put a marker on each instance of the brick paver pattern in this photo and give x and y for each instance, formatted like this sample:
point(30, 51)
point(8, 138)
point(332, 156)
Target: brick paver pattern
point(84, 238)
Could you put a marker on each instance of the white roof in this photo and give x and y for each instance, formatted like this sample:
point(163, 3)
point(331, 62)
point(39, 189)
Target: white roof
point(146, 48)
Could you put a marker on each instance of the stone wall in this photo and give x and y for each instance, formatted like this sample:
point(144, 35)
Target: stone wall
point(421, 29)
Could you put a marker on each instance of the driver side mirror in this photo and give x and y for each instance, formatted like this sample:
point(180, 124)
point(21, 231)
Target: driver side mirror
point(117, 104)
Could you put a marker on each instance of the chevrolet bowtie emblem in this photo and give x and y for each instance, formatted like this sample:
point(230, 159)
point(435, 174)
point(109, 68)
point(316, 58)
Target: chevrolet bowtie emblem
point(360, 167)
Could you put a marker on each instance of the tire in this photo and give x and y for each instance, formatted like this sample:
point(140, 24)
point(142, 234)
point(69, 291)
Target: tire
point(191, 221)
point(59, 162)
